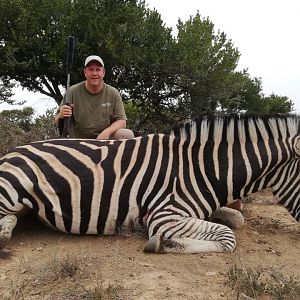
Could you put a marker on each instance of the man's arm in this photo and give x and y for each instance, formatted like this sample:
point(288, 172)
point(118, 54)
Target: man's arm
point(64, 112)
point(109, 131)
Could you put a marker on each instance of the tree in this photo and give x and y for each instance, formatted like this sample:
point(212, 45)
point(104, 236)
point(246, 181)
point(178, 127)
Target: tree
point(245, 94)
point(34, 34)
point(32, 43)
point(6, 91)
point(278, 104)
point(207, 75)
point(138, 59)
point(205, 62)
point(23, 118)
point(166, 78)
point(12, 135)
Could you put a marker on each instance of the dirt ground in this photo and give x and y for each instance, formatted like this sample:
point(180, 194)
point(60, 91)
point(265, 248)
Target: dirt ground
point(49, 265)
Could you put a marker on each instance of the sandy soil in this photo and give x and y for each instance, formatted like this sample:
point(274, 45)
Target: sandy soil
point(49, 265)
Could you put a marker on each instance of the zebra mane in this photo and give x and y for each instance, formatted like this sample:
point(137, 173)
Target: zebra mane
point(238, 125)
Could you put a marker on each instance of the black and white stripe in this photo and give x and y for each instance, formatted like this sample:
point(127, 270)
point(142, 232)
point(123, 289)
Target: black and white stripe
point(171, 183)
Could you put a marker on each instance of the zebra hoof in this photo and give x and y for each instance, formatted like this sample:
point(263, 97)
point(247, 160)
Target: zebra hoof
point(7, 224)
point(155, 245)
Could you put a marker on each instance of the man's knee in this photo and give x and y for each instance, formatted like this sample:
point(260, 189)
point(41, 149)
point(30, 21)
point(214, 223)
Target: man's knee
point(123, 133)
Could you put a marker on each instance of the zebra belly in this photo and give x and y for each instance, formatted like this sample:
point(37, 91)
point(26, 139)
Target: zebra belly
point(96, 221)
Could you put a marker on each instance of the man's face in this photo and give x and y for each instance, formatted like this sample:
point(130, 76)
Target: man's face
point(94, 73)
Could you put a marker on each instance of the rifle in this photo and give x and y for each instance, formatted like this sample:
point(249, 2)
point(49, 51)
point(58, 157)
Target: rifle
point(65, 124)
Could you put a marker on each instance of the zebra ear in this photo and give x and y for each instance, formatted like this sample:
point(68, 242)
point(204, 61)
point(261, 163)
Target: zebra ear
point(297, 146)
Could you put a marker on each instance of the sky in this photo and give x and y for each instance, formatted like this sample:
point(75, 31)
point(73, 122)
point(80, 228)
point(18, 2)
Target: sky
point(266, 33)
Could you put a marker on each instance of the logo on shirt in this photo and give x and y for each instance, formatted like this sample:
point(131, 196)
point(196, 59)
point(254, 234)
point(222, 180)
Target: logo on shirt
point(106, 104)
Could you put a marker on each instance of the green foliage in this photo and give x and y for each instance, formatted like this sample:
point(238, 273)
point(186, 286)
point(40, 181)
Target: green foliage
point(33, 37)
point(245, 94)
point(12, 135)
point(278, 104)
point(43, 127)
point(6, 91)
point(143, 121)
point(32, 43)
point(164, 79)
point(20, 117)
point(205, 60)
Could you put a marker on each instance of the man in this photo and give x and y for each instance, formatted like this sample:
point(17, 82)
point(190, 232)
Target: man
point(96, 108)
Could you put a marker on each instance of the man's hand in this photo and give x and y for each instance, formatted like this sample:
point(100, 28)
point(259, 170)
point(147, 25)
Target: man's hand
point(107, 133)
point(65, 111)
point(103, 136)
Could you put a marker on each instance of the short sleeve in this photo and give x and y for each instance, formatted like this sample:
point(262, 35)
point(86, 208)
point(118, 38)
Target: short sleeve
point(118, 110)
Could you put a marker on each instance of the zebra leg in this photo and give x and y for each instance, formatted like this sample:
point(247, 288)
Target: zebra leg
point(191, 235)
point(228, 216)
point(7, 224)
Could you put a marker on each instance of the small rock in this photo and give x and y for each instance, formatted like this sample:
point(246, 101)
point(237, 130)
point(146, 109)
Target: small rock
point(210, 273)
point(147, 265)
point(131, 258)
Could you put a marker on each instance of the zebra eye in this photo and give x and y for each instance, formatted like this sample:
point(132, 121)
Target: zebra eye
point(297, 146)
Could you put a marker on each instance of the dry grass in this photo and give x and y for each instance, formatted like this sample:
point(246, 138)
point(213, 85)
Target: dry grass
point(60, 266)
point(15, 291)
point(70, 271)
point(102, 290)
point(261, 282)
point(266, 225)
point(53, 271)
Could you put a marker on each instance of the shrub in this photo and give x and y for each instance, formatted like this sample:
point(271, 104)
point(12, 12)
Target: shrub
point(11, 135)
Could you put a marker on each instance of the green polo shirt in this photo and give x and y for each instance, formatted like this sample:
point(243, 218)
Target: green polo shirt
point(93, 113)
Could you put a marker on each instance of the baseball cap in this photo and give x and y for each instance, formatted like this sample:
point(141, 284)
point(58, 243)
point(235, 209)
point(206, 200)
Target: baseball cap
point(93, 58)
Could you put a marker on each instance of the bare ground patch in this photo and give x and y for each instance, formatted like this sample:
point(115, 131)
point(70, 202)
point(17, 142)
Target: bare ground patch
point(51, 265)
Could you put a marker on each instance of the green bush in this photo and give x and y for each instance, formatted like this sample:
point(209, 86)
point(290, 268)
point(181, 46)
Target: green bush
point(11, 135)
